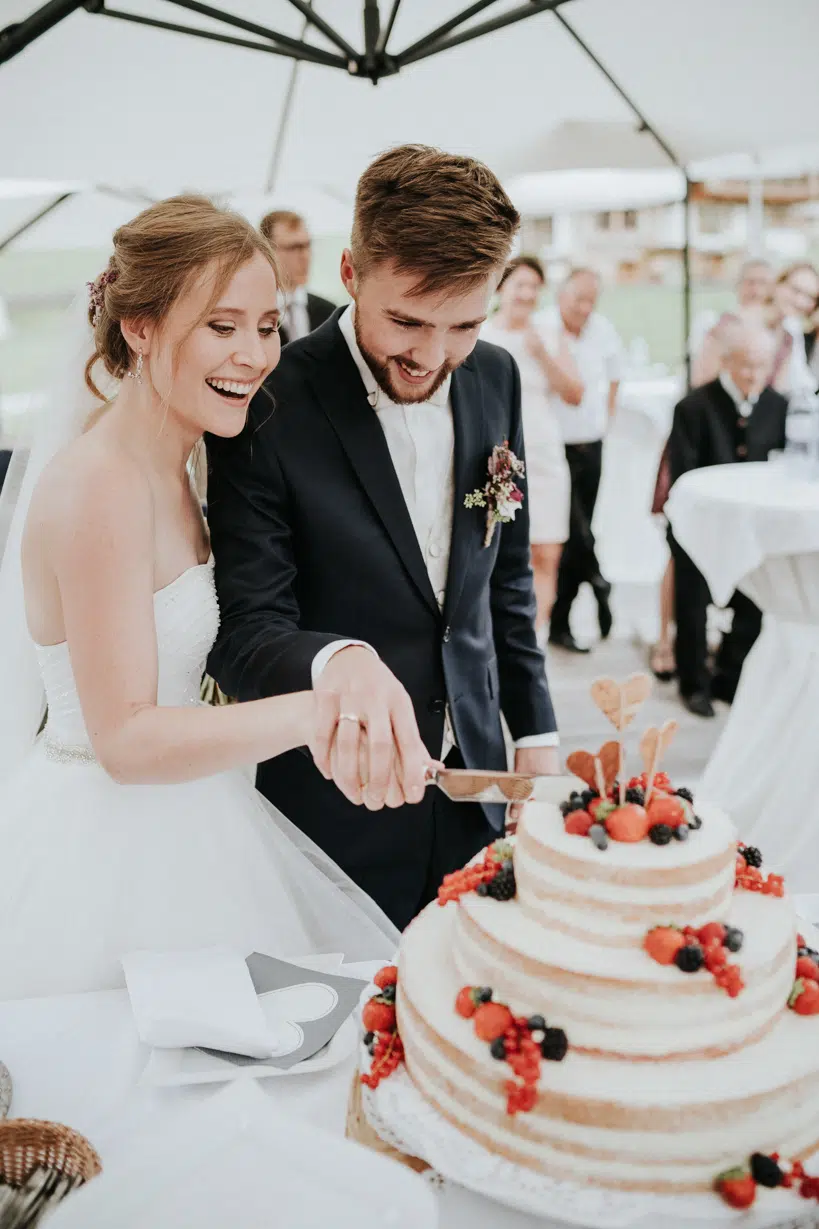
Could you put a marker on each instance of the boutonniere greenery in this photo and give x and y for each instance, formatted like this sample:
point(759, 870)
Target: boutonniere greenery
point(501, 496)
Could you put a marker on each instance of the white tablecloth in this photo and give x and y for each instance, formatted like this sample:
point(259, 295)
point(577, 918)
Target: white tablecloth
point(630, 545)
point(755, 528)
point(77, 1059)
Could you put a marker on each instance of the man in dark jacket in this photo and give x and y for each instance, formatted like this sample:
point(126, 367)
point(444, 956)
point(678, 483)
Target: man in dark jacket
point(304, 311)
point(733, 419)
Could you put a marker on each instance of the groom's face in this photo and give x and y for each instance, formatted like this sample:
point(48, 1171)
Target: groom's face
point(412, 341)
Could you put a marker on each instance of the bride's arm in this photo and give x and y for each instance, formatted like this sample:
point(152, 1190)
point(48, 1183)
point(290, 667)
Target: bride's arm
point(103, 557)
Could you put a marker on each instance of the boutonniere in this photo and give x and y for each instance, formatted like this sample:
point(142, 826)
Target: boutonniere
point(501, 496)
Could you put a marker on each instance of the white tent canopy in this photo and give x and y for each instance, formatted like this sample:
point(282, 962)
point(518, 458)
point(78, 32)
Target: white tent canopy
point(109, 102)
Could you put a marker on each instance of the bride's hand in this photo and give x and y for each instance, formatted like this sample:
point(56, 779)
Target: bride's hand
point(367, 706)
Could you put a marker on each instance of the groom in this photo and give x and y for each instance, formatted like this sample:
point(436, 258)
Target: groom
point(346, 558)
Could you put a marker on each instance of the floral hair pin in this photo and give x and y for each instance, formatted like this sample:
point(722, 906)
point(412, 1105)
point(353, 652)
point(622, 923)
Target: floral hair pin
point(501, 496)
point(96, 291)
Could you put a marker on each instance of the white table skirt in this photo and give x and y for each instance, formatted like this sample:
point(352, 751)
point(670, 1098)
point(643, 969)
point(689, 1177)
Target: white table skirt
point(752, 527)
point(765, 767)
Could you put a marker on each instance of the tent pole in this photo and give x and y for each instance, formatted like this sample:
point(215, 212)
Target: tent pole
point(15, 37)
point(32, 221)
point(686, 285)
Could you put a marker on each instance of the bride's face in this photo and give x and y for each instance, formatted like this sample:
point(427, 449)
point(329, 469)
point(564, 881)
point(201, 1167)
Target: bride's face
point(205, 365)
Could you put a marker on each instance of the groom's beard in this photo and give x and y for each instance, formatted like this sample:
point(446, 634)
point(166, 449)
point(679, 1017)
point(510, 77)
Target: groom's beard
point(383, 375)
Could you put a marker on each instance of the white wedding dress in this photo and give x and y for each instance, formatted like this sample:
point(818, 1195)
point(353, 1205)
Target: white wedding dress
point(90, 869)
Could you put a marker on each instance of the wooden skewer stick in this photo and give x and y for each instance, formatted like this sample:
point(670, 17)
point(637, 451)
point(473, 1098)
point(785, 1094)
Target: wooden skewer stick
point(599, 777)
point(622, 771)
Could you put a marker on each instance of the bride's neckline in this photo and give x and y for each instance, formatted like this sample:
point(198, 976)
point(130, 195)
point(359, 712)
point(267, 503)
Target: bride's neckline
point(195, 567)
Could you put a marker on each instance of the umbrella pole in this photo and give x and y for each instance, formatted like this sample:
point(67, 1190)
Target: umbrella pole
point(686, 262)
point(284, 118)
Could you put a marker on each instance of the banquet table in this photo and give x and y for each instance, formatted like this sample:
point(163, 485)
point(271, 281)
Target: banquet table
point(755, 527)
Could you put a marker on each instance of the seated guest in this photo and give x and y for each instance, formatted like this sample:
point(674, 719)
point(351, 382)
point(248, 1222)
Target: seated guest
point(736, 417)
point(303, 311)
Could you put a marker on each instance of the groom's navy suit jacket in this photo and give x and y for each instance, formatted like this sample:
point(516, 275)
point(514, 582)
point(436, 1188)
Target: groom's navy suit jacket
point(313, 542)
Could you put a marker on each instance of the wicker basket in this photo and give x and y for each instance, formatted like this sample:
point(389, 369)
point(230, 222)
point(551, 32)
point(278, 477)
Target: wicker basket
point(26, 1145)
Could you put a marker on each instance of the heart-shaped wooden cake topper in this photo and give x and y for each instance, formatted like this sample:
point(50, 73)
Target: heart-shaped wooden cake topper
point(596, 769)
point(581, 763)
point(620, 702)
point(653, 746)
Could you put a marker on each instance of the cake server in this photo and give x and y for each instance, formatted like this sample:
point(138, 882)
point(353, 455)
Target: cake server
point(482, 785)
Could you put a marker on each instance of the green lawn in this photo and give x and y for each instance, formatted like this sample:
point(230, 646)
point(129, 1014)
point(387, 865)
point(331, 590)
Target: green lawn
point(37, 283)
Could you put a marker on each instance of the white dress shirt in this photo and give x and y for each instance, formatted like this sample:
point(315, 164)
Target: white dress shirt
point(744, 405)
point(598, 355)
point(295, 318)
point(421, 442)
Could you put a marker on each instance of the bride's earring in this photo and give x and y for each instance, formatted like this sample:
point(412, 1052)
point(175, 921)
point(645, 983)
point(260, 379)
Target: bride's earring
point(136, 374)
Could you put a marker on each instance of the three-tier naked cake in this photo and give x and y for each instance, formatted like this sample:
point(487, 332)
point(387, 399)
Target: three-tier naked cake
point(619, 996)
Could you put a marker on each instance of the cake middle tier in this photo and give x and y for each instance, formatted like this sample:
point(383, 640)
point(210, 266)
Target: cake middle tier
point(613, 896)
point(621, 1003)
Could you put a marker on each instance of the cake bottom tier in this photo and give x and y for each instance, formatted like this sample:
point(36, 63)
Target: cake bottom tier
point(664, 1127)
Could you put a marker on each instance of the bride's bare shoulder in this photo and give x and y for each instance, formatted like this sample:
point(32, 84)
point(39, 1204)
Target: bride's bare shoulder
point(92, 482)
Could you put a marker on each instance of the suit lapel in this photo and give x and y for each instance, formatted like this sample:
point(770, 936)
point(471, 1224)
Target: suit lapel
point(468, 524)
point(356, 424)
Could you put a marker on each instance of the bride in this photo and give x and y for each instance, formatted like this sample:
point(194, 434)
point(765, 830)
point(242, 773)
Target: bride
point(128, 822)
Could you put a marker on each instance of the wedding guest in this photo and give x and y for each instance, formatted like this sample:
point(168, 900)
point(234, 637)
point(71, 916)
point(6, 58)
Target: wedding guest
point(514, 327)
point(304, 311)
point(587, 361)
point(811, 348)
point(753, 292)
point(794, 299)
point(737, 417)
point(754, 289)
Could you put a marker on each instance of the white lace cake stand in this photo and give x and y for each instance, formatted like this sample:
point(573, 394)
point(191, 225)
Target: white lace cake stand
point(401, 1117)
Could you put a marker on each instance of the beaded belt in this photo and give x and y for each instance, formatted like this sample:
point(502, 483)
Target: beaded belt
point(60, 753)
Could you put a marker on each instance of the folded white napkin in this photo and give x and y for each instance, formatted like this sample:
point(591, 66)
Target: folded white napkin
point(199, 998)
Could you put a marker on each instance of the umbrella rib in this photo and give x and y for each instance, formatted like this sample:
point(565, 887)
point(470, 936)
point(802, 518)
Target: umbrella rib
point(432, 44)
point(34, 219)
point(387, 30)
point(307, 11)
point(445, 28)
point(644, 123)
point(252, 27)
point(310, 54)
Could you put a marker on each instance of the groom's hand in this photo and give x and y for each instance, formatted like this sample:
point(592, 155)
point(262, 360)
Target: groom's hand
point(368, 742)
point(544, 761)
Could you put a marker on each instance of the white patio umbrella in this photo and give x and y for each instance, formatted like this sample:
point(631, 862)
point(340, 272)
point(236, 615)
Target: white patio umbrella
point(112, 95)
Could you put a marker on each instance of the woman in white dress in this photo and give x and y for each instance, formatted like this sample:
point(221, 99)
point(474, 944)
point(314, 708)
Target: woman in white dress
point(514, 326)
point(129, 823)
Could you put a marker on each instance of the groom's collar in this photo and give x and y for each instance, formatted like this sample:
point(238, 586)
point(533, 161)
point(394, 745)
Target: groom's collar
point(376, 396)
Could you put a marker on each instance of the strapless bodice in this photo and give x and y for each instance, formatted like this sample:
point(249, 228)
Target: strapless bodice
point(186, 613)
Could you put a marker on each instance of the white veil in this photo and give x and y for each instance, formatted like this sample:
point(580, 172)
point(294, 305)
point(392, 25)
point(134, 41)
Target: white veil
point(62, 418)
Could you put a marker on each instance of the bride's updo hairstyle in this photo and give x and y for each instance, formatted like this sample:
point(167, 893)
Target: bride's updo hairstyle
point(157, 258)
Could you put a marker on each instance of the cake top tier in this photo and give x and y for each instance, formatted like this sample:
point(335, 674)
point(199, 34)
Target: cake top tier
point(710, 849)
